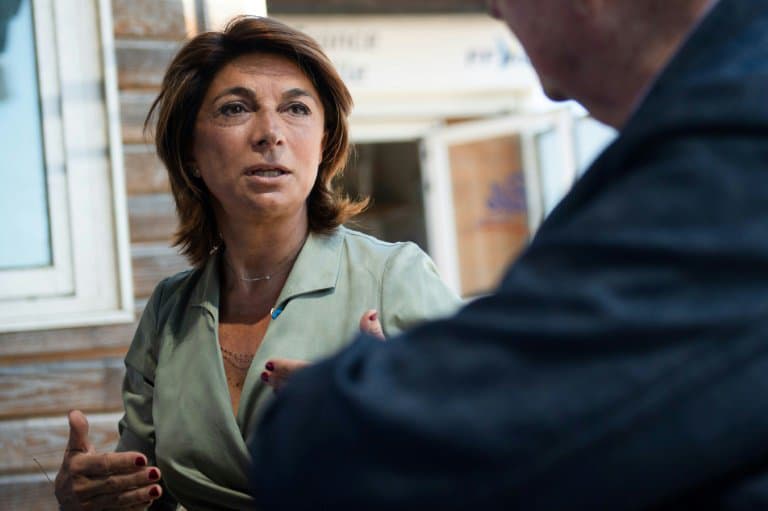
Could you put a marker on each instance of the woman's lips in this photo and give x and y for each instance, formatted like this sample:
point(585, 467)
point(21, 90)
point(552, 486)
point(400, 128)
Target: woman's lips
point(265, 173)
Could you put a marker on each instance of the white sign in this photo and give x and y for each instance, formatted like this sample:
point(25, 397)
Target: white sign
point(421, 54)
point(219, 12)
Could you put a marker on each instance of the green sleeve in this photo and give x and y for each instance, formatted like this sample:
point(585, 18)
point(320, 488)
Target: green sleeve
point(136, 427)
point(412, 291)
point(137, 430)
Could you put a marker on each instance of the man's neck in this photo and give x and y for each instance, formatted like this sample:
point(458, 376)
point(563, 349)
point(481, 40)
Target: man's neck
point(652, 55)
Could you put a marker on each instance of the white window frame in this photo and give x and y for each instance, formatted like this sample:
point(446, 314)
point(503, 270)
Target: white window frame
point(89, 282)
point(436, 169)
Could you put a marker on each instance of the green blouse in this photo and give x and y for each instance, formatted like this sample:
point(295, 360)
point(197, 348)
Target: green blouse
point(177, 406)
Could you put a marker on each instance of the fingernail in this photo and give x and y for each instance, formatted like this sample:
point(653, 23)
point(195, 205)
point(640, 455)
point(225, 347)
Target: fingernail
point(270, 366)
point(374, 316)
point(140, 462)
point(265, 376)
point(154, 474)
point(154, 492)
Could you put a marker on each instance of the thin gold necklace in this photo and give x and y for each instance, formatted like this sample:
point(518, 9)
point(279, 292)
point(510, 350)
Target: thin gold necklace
point(248, 279)
point(264, 277)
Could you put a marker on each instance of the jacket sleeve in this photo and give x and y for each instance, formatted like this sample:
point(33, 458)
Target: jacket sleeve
point(136, 428)
point(412, 291)
point(621, 363)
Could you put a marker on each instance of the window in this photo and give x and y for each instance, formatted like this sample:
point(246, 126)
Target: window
point(64, 256)
point(484, 184)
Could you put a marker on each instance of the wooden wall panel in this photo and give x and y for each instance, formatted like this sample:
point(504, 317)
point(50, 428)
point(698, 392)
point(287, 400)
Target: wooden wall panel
point(45, 439)
point(152, 262)
point(152, 218)
point(158, 19)
point(28, 492)
point(134, 106)
point(54, 388)
point(56, 343)
point(141, 64)
point(144, 172)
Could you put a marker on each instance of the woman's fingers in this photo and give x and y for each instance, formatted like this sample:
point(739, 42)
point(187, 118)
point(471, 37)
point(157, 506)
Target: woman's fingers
point(370, 324)
point(137, 498)
point(78, 433)
point(88, 488)
point(91, 481)
point(278, 370)
point(108, 463)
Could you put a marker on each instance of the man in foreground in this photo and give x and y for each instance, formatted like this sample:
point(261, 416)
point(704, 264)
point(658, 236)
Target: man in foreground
point(623, 361)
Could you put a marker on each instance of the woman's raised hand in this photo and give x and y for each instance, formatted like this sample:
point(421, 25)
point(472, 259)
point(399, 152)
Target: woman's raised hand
point(370, 324)
point(278, 370)
point(88, 481)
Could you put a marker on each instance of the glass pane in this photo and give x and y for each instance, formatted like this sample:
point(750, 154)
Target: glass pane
point(591, 138)
point(24, 229)
point(489, 197)
point(554, 182)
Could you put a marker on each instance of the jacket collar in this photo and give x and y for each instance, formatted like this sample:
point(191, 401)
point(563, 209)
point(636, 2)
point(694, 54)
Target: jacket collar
point(316, 269)
point(206, 291)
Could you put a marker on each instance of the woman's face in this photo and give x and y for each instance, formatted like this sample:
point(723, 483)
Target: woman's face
point(258, 139)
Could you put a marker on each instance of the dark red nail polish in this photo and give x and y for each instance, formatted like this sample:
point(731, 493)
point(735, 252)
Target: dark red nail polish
point(154, 492)
point(270, 366)
point(265, 376)
point(154, 475)
point(140, 462)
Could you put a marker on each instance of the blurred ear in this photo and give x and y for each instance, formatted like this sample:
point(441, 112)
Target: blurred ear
point(590, 8)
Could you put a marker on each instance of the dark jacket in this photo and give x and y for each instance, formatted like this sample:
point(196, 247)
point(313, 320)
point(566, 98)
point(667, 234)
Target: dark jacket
point(622, 364)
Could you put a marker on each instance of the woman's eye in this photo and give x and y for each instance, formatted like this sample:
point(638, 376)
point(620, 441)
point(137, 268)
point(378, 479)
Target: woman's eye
point(232, 109)
point(298, 109)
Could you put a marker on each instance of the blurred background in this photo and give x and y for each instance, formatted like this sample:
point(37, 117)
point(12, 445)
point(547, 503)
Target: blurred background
point(454, 143)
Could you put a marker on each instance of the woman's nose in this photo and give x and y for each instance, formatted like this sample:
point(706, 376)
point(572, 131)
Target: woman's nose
point(266, 131)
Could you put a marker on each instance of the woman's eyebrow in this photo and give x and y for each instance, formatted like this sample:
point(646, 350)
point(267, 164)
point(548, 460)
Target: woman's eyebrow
point(297, 92)
point(235, 91)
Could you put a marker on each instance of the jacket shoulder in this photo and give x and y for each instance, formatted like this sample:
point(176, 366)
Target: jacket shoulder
point(173, 292)
point(372, 251)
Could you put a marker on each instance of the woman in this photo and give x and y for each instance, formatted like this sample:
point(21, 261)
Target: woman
point(252, 127)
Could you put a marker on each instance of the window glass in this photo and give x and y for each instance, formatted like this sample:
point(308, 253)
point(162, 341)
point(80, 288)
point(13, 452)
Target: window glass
point(24, 228)
point(591, 138)
point(554, 185)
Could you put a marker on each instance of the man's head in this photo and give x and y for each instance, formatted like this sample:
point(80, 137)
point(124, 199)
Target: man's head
point(602, 53)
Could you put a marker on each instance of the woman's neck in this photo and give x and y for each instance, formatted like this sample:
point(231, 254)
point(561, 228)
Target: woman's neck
point(255, 254)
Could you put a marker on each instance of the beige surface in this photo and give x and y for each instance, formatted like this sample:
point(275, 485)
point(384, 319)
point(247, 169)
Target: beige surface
point(488, 193)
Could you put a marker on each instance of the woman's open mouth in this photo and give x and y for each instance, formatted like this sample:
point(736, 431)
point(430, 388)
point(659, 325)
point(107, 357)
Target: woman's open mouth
point(265, 173)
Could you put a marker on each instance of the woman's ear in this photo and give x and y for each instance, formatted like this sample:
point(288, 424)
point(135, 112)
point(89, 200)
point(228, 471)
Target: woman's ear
point(192, 168)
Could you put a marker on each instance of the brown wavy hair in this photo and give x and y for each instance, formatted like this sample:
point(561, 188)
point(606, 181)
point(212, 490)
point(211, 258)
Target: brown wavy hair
point(184, 86)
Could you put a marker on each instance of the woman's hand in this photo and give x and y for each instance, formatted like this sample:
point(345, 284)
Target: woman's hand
point(88, 481)
point(369, 324)
point(278, 370)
